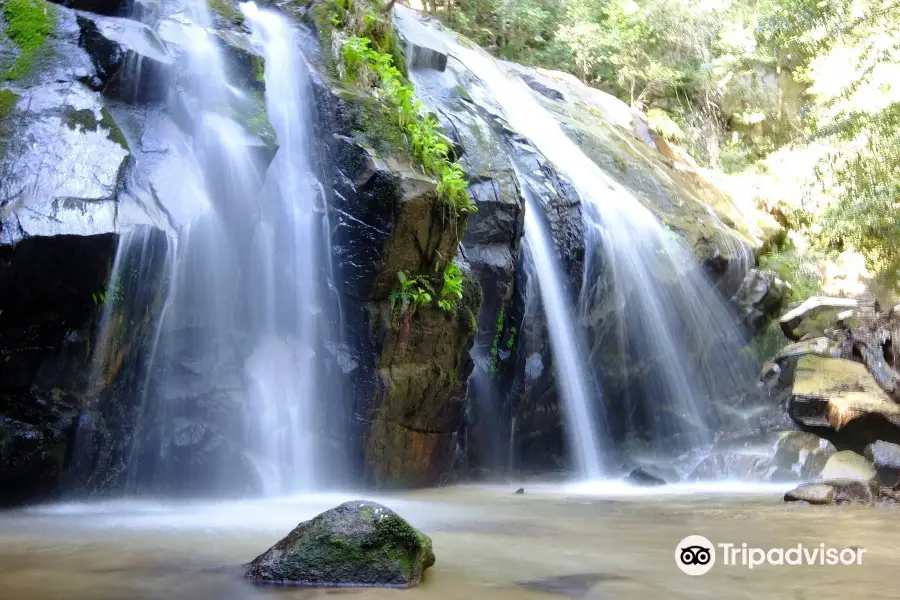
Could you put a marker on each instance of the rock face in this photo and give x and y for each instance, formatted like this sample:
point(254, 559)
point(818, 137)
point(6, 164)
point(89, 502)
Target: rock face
point(813, 493)
point(412, 366)
point(358, 543)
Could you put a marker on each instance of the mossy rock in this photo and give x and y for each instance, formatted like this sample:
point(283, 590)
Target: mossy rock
point(358, 543)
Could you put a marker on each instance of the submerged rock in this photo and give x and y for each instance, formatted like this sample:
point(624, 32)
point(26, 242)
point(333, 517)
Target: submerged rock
point(357, 543)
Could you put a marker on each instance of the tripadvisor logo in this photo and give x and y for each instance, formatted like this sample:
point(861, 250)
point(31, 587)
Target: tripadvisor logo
point(696, 555)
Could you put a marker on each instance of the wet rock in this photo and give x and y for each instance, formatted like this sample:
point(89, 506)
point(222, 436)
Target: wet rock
point(358, 543)
point(820, 346)
point(836, 491)
point(818, 308)
point(520, 491)
point(130, 60)
point(422, 46)
point(761, 294)
point(100, 7)
point(642, 477)
point(803, 454)
point(813, 493)
point(854, 491)
point(848, 465)
point(730, 465)
point(885, 457)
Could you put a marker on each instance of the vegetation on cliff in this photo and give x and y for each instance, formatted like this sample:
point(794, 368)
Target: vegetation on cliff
point(28, 23)
point(796, 100)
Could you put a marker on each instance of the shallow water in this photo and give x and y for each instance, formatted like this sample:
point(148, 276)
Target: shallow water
point(593, 541)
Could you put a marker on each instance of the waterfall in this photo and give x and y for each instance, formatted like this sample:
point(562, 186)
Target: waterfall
point(231, 399)
point(664, 307)
point(282, 369)
point(568, 360)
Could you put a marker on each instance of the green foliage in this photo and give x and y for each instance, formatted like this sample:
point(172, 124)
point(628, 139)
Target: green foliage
point(795, 268)
point(452, 289)
point(865, 215)
point(495, 346)
point(662, 123)
point(28, 23)
point(427, 143)
point(413, 293)
point(224, 9)
point(115, 295)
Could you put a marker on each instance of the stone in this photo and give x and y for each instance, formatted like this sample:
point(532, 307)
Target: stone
point(423, 46)
point(812, 493)
point(761, 294)
point(885, 457)
point(358, 543)
point(520, 491)
point(804, 454)
point(838, 491)
point(113, 43)
point(848, 465)
point(820, 346)
point(833, 392)
point(813, 308)
point(641, 477)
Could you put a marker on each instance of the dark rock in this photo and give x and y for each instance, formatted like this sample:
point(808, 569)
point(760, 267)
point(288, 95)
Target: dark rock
point(520, 491)
point(100, 7)
point(543, 90)
point(130, 60)
point(641, 477)
point(885, 457)
point(803, 454)
point(423, 48)
point(761, 294)
point(836, 491)
point(358, 543)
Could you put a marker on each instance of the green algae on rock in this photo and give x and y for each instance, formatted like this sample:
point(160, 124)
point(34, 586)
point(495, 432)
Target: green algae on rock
point(358, 543)
point(29, 22)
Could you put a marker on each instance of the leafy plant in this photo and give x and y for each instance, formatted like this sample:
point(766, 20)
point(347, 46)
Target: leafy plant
point(452, 290)
point(115, 295)
point(413, 293)
point(427, 143)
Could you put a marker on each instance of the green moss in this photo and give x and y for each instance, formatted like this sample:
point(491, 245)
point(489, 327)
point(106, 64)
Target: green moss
point(29, 22)
point(8, 101)
point(86, 119)
point(393, 530)
point(259, 67)
point(375, 126)
point(470, 305)
point(224, 9)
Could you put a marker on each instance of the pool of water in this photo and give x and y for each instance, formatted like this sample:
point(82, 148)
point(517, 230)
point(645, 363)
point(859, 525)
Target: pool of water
point(594, 541)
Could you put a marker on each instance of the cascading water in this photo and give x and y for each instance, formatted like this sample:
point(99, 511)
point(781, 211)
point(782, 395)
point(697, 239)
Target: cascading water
point(571, 372)
point(282, 368)
point(231, 400)
point(636, 271)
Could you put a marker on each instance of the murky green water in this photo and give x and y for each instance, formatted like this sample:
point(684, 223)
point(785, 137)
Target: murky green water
point(489, 543)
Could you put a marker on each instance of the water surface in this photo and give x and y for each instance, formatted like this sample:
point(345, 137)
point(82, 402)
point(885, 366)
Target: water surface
point(596, 541)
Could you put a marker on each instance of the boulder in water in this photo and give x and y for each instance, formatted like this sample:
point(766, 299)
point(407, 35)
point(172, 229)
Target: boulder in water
point(642, 477)
point(813, 493)
point(761, 294)
point(358, 543)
